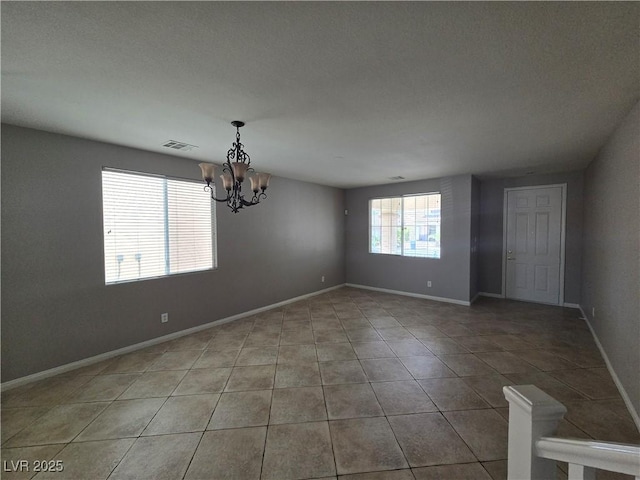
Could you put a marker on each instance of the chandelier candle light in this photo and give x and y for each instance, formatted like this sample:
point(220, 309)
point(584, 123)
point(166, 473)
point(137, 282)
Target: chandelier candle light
point(234, 171)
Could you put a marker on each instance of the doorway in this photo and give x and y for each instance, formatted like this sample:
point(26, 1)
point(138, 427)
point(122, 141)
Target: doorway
point(534, 243)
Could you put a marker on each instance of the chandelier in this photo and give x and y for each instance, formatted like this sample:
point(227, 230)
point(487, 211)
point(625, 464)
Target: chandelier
point(234, 172)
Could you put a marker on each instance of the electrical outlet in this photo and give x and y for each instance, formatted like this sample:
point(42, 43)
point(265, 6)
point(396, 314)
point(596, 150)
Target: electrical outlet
point(164, 317)
point(429, 284)
point(322, 279)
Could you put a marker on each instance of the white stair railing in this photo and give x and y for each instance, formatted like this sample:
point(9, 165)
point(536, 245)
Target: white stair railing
point(532, 453)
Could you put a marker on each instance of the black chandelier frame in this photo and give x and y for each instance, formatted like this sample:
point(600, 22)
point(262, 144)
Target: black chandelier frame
point(235, 199)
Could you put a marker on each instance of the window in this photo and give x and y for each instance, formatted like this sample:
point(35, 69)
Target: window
point(407, 225)
point(155, 226)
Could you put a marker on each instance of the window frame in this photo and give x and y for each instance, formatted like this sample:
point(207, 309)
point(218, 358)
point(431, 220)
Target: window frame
point(402, 224)
point(214, 227)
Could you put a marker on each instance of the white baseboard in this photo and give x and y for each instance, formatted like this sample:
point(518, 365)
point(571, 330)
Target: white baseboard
point(570, 305)
point(409, 294)
point(616, 380)
point(18, 382)
point(475, 297)
point(490, 295)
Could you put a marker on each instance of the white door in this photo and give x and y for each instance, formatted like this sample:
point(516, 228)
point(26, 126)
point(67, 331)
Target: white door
point(534, 244)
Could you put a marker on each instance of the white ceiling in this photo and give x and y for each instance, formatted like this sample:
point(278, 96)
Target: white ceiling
point(338, 93)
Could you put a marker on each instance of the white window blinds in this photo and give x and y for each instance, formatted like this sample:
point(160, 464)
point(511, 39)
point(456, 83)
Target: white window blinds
point(155, 226)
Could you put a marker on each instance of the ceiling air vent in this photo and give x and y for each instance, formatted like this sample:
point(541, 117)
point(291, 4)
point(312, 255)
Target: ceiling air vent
point(182, 146)
point(396, 178)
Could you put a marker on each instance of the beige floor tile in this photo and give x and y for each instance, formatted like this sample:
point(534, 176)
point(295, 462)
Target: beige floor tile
point(294, 451)
point(478, 344)
point(241, 409)
point(178, 360)
point(426, 367)
point(124, 418)
point(384, 321)
point(306, 374)
point(328, 352)
point(214, 358)
point(325, 324)
point(365, 445)
point(183, 414)
point(373, 350)
point(15, 419)
point(90, 460)
point(351, 401)
point(95, 368)
point(484, 431)
point(397, 398)
point(165, 457)
point(229, 455)
point(452, 394)
point(59, 425)
point(256, 339)
point(18, 463)
point(601, 423)
point(198, 381)
point(544, 360)
point(347, 371)
point(506, 362)
point(588, 383)
point(453, 329)
point(466, 365)
point(330, 336)
point(441, 446)
point(296, 354)
point(296, 405)
point(105, 387)
point(617, 406)
point(583, 357)
point(226, 342)
point(363, 335)
point(131, 363)
point(509, 342)
point(355, 323)
point(489, 387)
point(550, 385)
point(154, 384)
point(404, 474)
point(464, 471)
point(443, 345)
point(299, 336)
point(497, 469)
point(385, 369)
point(48, 392)
point(196, 341)
point(257, 377)
point(257, 356)
point(425, 331)
point(395, 334)
point(408, 348)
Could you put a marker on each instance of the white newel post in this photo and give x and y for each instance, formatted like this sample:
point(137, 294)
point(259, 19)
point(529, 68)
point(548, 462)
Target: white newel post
point(532, 414)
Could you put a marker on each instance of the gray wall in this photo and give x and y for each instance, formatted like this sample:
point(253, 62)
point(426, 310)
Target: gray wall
point(474, 285)
point(55, 306)
point(491, 233)
point(611, 259)
point(450, 274)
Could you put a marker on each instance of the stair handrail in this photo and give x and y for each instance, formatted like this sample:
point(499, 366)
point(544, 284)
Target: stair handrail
point(533, 450)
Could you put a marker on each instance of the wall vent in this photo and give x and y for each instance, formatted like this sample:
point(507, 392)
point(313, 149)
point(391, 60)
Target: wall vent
point(182, 146)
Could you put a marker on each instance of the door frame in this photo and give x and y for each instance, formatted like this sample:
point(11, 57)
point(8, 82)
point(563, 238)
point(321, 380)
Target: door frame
point(563, 227)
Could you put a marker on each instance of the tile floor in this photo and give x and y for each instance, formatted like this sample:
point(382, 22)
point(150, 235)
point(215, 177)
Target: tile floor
point(351, 384)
